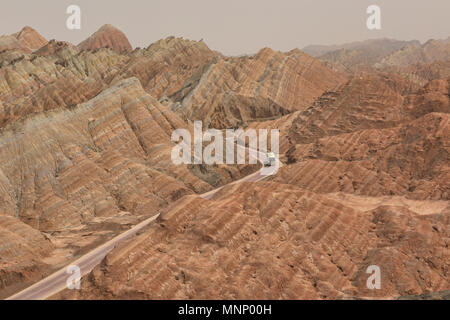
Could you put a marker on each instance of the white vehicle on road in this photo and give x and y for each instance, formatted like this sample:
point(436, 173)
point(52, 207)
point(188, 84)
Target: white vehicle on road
point(270, 159)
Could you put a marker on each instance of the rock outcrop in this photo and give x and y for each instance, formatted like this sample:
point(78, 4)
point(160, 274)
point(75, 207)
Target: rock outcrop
point(27, 41)
point(52, 48)
point(37, 82)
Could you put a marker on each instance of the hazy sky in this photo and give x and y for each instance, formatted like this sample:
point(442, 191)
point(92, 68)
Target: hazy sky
point(234, 26)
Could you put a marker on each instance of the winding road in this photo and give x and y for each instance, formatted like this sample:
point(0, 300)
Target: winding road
point(57, 282)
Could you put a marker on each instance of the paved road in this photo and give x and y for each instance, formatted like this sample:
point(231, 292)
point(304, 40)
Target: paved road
point(58, 280)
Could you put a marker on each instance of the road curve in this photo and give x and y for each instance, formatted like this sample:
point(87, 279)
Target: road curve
point(57, 281)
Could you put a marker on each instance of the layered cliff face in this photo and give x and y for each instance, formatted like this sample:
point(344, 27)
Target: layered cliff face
point(60, 75)
point(421, 73)
point(419, 63)
point(376, 135)
point(57, 74)
point(167, 65)
point(200, 84)
point(410, 160)
point(36, 83)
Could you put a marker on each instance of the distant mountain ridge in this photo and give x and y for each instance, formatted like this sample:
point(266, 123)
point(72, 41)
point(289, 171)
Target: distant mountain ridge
point(386, 45)
point(412, 60)
point(429, 52)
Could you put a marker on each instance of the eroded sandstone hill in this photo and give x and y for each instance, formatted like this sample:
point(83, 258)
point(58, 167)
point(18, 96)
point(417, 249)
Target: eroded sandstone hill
point(26, 40)
point(85, 144)
point(72, 164)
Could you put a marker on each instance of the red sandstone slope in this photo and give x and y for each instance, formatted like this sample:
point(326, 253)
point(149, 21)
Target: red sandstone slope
point(197, 83)
point(60, 76)
point(39, 82)
point(107, 37)
point(167, 65)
